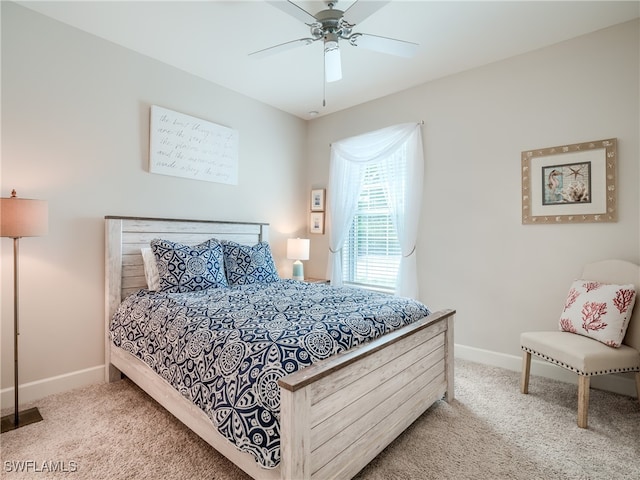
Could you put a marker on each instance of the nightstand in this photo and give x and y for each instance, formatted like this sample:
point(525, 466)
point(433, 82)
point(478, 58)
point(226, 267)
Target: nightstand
point(316, 280)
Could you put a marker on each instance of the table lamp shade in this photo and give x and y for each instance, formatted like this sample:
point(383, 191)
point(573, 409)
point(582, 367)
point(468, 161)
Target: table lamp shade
point(298, 249)
point(21, 217)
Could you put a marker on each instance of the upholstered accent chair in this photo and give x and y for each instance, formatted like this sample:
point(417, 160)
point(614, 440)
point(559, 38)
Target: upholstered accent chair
point(584, 355)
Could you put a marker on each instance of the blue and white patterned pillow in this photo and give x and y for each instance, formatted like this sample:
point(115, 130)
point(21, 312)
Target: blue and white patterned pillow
point(184, 268)
point(245, 264)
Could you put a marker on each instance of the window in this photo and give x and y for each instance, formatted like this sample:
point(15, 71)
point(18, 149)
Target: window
point(375, 185)
point(371, 253)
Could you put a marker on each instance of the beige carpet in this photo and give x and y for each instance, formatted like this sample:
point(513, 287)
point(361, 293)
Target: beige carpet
point(491, 431)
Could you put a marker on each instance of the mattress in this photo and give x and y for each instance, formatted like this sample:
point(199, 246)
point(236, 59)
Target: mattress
point(226, 348)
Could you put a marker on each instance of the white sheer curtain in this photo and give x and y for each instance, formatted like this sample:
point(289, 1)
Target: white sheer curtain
point(399, 150)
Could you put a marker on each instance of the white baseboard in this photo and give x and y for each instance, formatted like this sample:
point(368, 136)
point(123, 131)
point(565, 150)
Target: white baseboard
point(624, 384)
point(34, 391)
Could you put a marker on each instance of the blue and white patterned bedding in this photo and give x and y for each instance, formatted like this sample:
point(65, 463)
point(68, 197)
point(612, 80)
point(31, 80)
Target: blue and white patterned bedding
point(226, 348)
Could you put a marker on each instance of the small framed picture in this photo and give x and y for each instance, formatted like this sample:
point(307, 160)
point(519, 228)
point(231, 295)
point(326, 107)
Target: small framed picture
point(317, 200)
point(316, 222)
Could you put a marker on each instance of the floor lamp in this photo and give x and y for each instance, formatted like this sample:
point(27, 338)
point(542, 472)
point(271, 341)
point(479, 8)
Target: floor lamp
point(20, 217)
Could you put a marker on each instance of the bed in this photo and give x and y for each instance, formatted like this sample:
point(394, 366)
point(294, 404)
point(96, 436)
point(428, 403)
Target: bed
point(337, 414)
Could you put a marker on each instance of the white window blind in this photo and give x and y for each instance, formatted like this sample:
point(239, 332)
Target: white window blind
point(371, 254)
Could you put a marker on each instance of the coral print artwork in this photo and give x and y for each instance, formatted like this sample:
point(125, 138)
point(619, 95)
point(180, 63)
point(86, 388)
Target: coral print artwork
point(564, 184)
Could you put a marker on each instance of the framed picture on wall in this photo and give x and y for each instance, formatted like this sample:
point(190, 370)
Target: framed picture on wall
point(317, 200)
point(570, 183)
point(316, 222)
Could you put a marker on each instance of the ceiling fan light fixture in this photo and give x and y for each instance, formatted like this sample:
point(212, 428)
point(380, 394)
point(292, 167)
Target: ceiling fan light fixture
point(332, 62)
point(332, 65)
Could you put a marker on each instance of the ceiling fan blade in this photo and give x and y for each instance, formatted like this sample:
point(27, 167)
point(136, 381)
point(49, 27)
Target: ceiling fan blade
point(265, 52)
point(332, 64)
point(293, 10)
point(391, 46)
point(360, 10)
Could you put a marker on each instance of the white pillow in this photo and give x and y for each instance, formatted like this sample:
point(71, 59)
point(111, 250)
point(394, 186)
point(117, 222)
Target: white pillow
point(150, 269)
point(598, 310)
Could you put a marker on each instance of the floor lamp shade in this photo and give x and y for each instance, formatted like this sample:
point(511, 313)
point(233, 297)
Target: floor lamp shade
point(20, 217)
point(298, 249)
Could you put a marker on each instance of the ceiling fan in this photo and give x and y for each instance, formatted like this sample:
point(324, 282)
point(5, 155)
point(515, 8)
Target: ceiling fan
point(332, 25)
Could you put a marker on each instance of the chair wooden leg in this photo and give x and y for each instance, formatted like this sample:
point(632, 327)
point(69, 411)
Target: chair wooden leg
point(638, 385)
point(526, 369)
point(583, 400)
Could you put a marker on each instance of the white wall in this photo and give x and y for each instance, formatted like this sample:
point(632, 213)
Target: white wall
point(474, 254)
point(75, 130)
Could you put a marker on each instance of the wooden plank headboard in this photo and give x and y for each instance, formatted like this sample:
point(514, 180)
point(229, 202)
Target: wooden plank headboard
point(124, 236)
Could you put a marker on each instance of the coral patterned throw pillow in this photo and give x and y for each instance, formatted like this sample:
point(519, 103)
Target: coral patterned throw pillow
point(598, 310)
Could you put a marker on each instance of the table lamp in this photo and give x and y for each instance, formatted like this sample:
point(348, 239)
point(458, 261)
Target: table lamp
point(298, 249)
point(20, 217)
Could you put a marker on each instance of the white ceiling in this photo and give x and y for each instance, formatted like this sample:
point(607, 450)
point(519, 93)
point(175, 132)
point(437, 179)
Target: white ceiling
point(212, 39)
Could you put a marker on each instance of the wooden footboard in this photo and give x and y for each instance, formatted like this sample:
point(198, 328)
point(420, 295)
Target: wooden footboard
point(337, 415)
